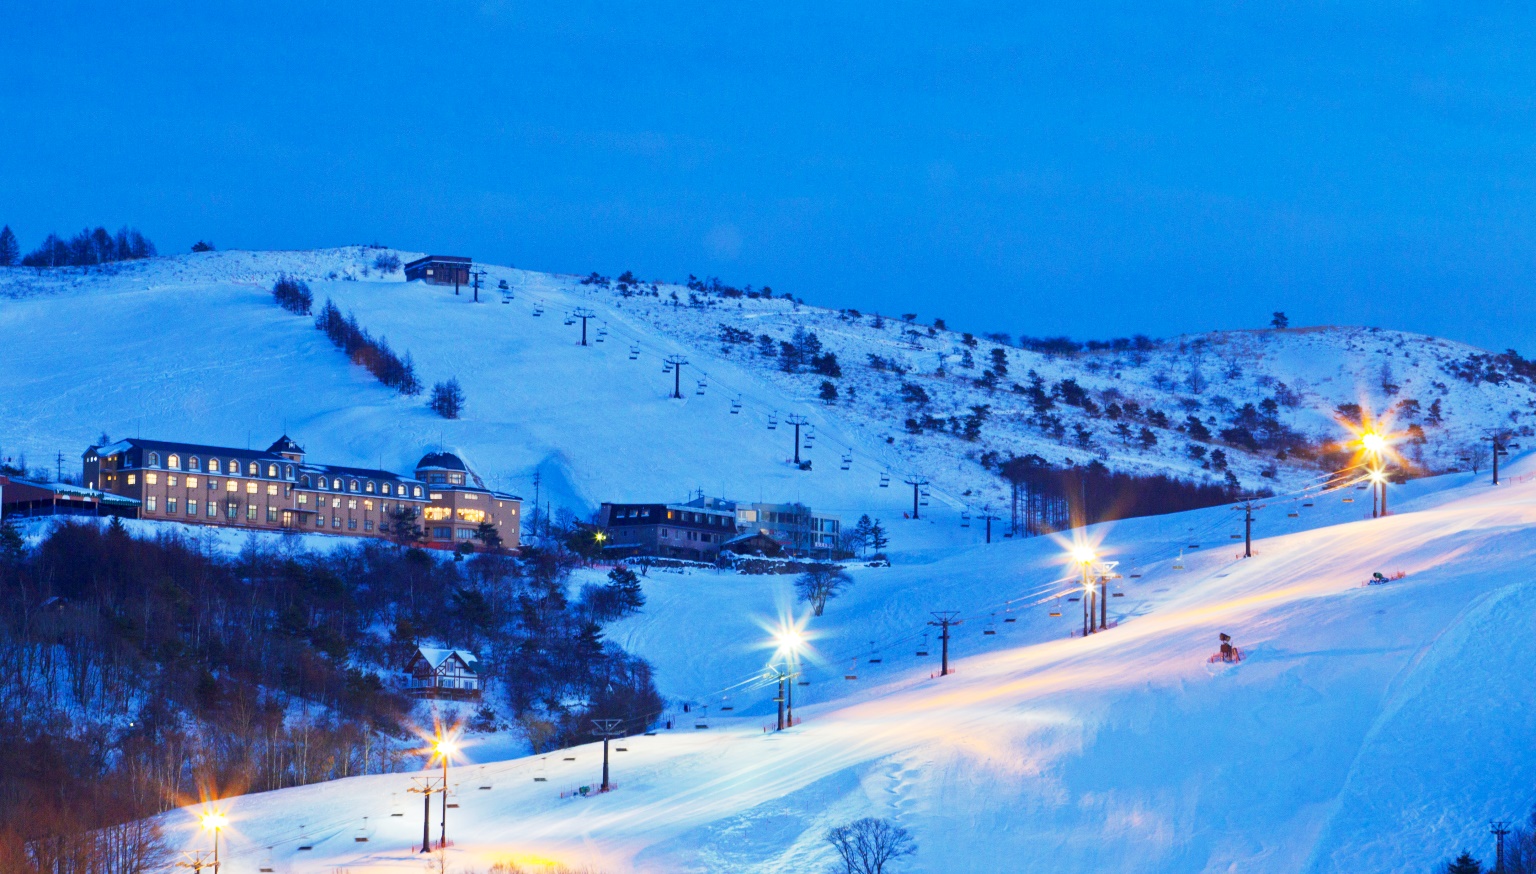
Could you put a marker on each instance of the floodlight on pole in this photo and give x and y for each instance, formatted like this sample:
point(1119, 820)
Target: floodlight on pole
point(444, 746)
point(215, 822)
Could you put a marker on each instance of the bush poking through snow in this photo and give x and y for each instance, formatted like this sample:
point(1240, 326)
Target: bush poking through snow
point(387, 262)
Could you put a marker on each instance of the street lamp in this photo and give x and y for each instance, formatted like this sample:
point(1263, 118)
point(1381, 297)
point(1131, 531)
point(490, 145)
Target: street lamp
point(444, 747)
point(1083, 555)
point(215, 821)
point(791, 642)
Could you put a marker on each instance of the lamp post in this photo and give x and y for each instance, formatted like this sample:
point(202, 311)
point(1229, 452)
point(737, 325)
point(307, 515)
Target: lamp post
point(444, 747)
point(791, 641)
point(215, 821)
point(1375, 446)
point(1085, 557)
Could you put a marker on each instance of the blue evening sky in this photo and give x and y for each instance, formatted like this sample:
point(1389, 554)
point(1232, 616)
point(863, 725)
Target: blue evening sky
point(1089, 169)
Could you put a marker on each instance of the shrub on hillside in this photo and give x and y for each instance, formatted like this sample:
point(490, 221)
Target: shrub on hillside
point(293, 295)
point(447, 399)
point(387, 262)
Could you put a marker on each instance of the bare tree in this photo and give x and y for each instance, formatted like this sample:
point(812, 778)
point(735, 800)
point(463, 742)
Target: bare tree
point(869, 845)
point(822, 583)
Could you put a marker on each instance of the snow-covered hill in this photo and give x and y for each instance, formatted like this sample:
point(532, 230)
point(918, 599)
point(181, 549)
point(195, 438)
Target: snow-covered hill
point(192, 347)
point(1369, 728)
point(1357, 736)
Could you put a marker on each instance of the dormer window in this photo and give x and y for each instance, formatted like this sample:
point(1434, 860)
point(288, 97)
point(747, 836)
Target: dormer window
point(304, 482)
point(213, 465)
point(384, 488)
point(153, 460)
point(288, 471)
point(234, 467)
point(272, 471)
point(368, 487)
point(173, 462)
point(194, 464)
point(253, 469)
point(336, 485)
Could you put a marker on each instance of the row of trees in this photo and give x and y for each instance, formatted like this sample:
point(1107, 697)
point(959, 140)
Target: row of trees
point(395, 371)
point(1044, 498)
point(138, 671)
point(87, 248)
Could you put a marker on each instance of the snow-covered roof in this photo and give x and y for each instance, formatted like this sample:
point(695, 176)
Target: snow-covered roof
point(441, 461)
point(435, 657)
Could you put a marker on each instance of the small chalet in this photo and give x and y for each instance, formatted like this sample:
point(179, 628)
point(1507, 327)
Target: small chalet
point(440, 270)
point(21, 498)
point(754, 543)
point(443, 673)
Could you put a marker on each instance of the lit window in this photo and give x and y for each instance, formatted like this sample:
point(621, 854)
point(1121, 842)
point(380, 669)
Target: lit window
point(434, 514)
point(173, 462)
point(151, 479)
point(288, 471)
point(470, 496)
point(271, 488)
point(213, 509)
point(319, 521)
point(250, 512)
point(303, 498)
point(368, 487)
point(234, 466)
point(191, 506)
point(170, 505)
point(231, 486)
point(133, 479)
point(252, 469)
point(384, 488)
point(191, 482)
point(213, 465)
point(368, 505)
point(416, 491)
point(352, 486)
point(149, 503)
point(335, 521)
point(250, 488)
point(476, 516)
point(335, 485)
point(272, 471)
point(336, 503)
point(193, 464)
point(231, 509)
point(456, 478)
point(351, 503)
point(170, 479)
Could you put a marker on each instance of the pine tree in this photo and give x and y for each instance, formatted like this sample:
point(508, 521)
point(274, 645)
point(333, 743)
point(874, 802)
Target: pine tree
point(624, 587)
point(10, 250)
point(828, 391)
point(1464, 864)
point(878, 539)
point(11, 544)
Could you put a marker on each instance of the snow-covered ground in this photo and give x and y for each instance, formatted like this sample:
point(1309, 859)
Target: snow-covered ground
point(1369, 728)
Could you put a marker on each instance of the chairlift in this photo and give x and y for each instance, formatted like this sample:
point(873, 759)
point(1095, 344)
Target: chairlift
point(702, 720)
point(1007, 617)
point(538, 309)
point(853, 671)
point(874, 654)
point(502, 285)
point(1237, 537)
point(847, 461)
point(736, 405)
point(569, 320)
point(773, 421)
point(1349, 500)
point(810, 437)
point(991, 625)
point(702, 385)
point(361, 835)
point(1293, 515)
point(1194, 546)
point(539, 776)
point(304, 844)
point(1178, 563)
point(265, 866)
point(922, 648)
point(725, 703)
point(803, 683)
point(885, 480)
point(1309, 504)
point(634, 353)
point(666, 367)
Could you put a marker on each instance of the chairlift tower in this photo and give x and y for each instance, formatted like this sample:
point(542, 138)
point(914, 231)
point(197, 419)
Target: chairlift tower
point(917, 482)
point(583, 313)
point(477, 275)
point(797, 420)
point(677, 362)
point(606, 728)
point(944, 620)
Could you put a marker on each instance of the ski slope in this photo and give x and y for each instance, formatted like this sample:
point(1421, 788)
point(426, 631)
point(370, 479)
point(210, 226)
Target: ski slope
point(1368, 728)
point(191, 347)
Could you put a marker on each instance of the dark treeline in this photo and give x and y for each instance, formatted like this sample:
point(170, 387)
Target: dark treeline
point(1069, 346)
point(1043, 498)
point(389, 368)
point(137, 673)
point(84, 249)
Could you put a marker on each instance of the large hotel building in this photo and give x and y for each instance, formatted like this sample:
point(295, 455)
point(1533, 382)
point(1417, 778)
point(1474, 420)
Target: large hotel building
point(276, 489)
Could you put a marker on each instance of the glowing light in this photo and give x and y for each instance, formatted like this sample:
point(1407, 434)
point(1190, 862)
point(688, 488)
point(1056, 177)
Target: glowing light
point(599, 537)
point(789, 639)
point(213, 820)
point(1374, 443)
point(1378, 477)
point(1082, 554)
point(445, 746)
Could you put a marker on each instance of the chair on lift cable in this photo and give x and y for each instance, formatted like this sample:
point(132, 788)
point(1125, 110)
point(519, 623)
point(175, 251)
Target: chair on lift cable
point(965, 518)
point(773, 421)
point(885, 480)
point(702, 385)
point(874, 654)
point(736, 405)
point(634, 353)
point(852, 671)
point(991, 625)
point(1057, 611)
point(847, 461)
point(922, 648)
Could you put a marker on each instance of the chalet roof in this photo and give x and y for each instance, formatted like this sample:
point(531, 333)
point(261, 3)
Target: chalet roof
point(69, 491)
point(286, 444)
point(177, 446)
point(445, 259)
point(435, 657)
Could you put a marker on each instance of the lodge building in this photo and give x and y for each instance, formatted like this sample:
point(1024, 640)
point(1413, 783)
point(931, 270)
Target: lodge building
point(278, 489)
point(440, 270)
